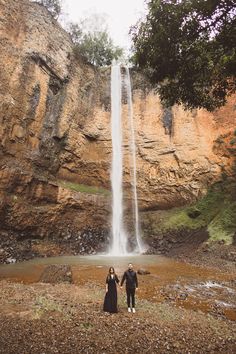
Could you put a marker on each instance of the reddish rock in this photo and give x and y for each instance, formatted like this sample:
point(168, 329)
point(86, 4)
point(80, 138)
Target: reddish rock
point(55, 124)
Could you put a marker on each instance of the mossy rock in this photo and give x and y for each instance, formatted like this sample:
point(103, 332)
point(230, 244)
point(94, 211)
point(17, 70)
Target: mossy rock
point(193, 213)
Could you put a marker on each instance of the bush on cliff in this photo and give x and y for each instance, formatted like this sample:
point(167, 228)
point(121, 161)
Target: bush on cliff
point(53, 6)
point(93, 42)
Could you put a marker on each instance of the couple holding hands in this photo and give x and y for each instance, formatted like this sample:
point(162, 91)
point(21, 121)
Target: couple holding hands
point(130, 277)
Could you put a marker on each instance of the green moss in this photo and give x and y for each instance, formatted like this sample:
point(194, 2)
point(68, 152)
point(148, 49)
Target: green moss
point(216, 211)
point(43, 305)
point(180, 219)
point(223, 226)
point(84, 188)
point(232, 141)
point(86, 325)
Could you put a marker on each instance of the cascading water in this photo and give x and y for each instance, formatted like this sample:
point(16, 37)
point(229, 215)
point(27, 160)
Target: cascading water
point(140, 247)
point(119, 238)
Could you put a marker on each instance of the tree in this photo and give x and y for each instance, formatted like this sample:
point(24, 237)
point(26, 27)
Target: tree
point(75, 32)
point(187, 49)
point(53, 6)
point(98, 48)
point(93, 42)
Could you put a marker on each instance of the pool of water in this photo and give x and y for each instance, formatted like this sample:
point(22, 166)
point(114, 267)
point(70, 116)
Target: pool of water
point(180, 283)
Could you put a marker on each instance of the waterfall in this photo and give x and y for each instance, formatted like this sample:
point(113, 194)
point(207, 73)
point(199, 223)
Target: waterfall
point(119, 238)
point(133, 160)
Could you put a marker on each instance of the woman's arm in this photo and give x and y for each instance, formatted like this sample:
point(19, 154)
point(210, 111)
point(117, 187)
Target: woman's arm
point(107, 284)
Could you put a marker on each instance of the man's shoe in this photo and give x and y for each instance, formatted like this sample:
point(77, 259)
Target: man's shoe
point(129, 309)
point(133, 309)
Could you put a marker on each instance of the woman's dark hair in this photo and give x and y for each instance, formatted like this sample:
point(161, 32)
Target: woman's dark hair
point(111, 269)
point(109, 272)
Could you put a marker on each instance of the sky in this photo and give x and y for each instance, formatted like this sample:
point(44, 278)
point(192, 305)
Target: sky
point(120, 15)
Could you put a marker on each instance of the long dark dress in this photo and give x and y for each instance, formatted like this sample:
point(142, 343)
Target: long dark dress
point(110, 301)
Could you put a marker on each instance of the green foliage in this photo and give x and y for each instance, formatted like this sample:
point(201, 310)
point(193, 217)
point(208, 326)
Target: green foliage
point(94, 43)
point(75, 32)
point(86, 325)
point(232, 141)
point(216, 212)
point(187, 49)
point(43, 305)
point(98, 49)
point(84, 188)
point(223, 226)
point(53, 6)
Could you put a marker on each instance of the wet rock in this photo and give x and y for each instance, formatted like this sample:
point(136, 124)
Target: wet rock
point(150, 251)
point(204, 247)
point(232, 256)
point(183, 296)
point(10, 260)
point(143, 271)
point(194, 213)
point(54, 274)
point(221, 242)
point(3, 255)
point(174, 242)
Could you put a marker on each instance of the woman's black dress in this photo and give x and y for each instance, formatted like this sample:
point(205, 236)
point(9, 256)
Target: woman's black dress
point(110, 301)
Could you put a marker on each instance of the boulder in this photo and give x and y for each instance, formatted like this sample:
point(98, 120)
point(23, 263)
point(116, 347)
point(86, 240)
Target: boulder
point(54, 274)
point(143, 271)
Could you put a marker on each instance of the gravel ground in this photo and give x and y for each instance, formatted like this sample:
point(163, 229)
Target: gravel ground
point(65, 318)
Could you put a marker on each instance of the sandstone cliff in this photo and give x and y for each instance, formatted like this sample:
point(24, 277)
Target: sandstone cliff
point(46, 94)
point(55, 129)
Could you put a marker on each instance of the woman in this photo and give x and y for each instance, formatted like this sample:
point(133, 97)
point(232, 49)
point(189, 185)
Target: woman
point(110, 301)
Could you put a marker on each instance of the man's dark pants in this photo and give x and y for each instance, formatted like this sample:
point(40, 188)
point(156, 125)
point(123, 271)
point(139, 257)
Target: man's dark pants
point(130, 292)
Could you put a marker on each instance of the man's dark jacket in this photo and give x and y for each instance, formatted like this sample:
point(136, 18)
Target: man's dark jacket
point(131, 279)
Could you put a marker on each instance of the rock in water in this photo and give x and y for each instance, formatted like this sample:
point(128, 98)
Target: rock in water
point(183, 296)
point(143, 271)
point(54, 274)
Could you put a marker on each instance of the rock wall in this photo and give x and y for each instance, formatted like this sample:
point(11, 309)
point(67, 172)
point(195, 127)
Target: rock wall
point(55, 126)
point(45, 96)
point(178, 151)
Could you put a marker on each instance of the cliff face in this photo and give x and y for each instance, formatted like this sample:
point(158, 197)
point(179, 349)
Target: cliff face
point(45, 96)
point(176, 156)
point(55, 126)
point(179, 153)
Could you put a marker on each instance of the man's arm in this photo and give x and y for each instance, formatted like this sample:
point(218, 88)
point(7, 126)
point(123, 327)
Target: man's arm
point(117, 279)
point(136, 280)
point(123, 279)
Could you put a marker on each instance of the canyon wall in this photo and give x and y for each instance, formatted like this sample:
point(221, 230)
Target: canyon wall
point(55, 136)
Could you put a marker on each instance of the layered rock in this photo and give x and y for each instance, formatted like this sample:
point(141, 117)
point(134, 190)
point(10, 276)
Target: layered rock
point(46, 95)
point(55, 125)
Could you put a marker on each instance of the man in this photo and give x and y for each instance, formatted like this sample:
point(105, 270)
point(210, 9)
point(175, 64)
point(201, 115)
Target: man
point(130, 277)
